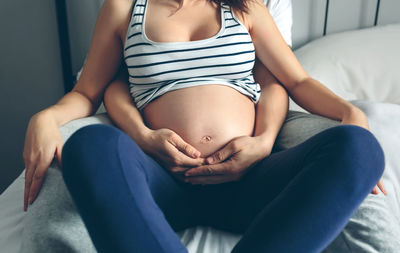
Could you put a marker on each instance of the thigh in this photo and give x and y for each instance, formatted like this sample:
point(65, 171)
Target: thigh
point(178, 201)
point(112, 169)
point(222, 202)
point(300, 126)
point(238, 203)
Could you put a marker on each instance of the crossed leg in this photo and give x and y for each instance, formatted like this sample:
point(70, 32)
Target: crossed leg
point(299, 199)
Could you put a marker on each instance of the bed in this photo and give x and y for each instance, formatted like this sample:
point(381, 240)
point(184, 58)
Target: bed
point(361, 66)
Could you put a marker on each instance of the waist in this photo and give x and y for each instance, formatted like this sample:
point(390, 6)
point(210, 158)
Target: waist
point(206, 116)
point(144, 94)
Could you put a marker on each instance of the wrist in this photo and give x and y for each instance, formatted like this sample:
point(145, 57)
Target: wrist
point(46, 114)
point(142, 136)
point(266, 142)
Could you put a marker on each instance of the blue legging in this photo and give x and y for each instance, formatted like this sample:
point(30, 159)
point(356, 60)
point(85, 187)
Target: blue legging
point(295, 200)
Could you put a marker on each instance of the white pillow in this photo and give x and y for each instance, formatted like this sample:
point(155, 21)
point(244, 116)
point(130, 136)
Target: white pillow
point(281, 12)
point(362, 64)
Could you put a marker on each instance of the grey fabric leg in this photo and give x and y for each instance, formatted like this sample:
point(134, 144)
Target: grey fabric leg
point(300, 126)
point(370, 229)
point(52, 223)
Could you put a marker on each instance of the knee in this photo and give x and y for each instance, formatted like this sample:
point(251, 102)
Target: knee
point(86, 146)
point(359, 149)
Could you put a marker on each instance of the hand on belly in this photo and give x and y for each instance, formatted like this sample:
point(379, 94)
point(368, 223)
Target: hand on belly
point(207, 116)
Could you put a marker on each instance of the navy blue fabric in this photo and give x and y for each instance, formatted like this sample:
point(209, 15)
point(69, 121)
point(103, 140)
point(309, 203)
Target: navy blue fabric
point(295, 200)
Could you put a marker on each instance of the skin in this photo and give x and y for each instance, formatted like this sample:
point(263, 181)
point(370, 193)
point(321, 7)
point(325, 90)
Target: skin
point(234, 149)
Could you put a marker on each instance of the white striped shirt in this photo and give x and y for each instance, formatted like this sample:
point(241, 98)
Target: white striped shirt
point(155, 68)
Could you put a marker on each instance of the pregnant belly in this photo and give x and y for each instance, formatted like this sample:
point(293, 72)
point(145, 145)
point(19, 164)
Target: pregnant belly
point(206, 116)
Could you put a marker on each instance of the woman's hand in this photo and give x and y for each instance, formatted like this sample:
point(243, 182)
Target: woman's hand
point(358, 118)
point(231, 162)
point(172, 151)
point(43, 141)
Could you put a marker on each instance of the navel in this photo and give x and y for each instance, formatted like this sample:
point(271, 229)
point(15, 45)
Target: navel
point(205, 139)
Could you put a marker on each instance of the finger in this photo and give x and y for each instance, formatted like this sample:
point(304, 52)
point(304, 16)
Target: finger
point(37, 179)
point(35, 186)
point(184, 147)
point(58, 155)
point(183, 160)
point(217, 179)
point(214, 169)
point(178, 169)
point(26, 187)
point(25, 190)
point(222, 154)
point(375, 190)
point(380, 185)
point(28, 181)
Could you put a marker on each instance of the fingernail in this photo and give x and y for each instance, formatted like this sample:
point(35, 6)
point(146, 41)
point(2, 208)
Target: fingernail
point(30, 200)
point(196, 154)
point(210, 159)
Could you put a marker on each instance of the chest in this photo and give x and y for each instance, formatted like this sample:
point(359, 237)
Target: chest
point(185, 44)
point(166, 22)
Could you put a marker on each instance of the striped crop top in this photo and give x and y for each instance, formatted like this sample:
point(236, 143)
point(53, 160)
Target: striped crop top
point(155, 68)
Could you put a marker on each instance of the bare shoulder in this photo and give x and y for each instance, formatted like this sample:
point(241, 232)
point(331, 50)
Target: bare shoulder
point(255, 8)
point(119, 12)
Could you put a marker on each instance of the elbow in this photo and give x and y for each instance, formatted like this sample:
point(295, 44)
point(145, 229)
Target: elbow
point(294, 84)
point(111, 92)
point(107, 95)
point(93, 103)
point(354, 111)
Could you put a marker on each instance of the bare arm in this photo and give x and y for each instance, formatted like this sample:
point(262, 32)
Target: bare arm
point(43, 139)
point(272, 107)
point(122, 110)
point(273, 52)
point(104, 58)
point(304, 90)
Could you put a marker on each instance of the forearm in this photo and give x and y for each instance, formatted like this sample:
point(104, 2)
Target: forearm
point(272, 107)
point(318, 99)
point(124, 113)
point(72, 105)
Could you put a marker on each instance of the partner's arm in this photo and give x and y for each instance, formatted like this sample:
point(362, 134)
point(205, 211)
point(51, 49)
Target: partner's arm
point(43, 139)
point(272, 107)
point(310, 94)
point(122, 110)
point(103, 60)
point(304, 90)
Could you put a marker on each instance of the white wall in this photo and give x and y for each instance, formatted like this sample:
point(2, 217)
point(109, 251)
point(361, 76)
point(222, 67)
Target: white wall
point(30, 75)
point(308, 17)
point(82, 17)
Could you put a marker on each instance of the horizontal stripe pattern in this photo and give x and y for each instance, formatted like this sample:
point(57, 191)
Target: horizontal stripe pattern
point(155, 68)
